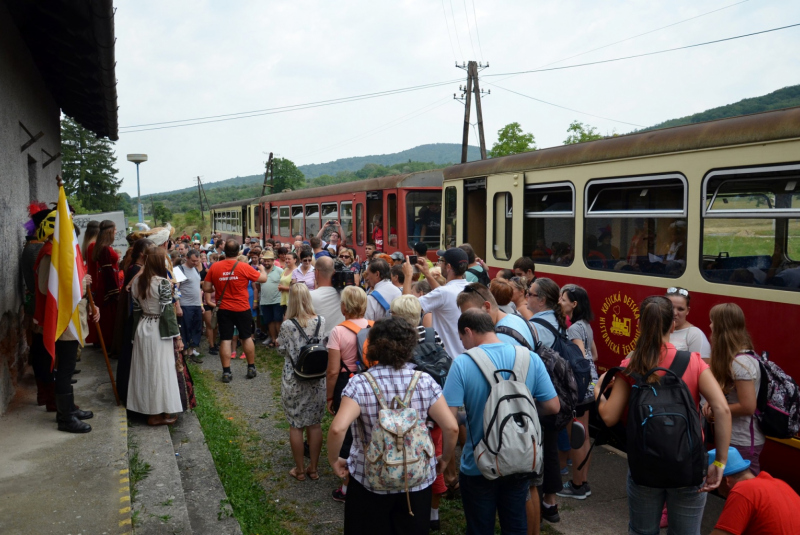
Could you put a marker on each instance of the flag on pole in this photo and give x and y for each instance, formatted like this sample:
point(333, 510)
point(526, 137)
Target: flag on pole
point(64, 289)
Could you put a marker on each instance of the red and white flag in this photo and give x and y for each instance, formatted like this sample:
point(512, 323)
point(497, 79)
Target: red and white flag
point(64, 289)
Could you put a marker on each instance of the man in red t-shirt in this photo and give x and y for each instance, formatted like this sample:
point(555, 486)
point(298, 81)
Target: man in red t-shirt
point(229, 280)
point(755, 504)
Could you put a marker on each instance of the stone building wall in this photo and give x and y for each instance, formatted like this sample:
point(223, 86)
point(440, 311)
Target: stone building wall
point(23, 99)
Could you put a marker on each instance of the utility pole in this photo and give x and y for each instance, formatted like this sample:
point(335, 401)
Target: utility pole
point(268, 173)
point(467, 91)
point(200, 197)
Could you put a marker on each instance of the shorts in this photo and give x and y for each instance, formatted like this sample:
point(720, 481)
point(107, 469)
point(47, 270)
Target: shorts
point(271, 313)
point(439, 486)
point(580, 410)
point(208, 308)
point(227, 320)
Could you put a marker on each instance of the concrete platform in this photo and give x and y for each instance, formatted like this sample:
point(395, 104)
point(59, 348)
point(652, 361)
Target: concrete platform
point(53, 482)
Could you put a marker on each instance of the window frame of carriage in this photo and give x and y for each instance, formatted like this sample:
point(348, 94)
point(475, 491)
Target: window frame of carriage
point(562, 214)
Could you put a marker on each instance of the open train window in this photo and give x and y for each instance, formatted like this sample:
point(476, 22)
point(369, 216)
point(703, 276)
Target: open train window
point(637, 225)
point(751, 226)
point(548, 230)
point(298, 222)
point(424, 217)
point(273, 229)
point(330, 212)
point(285, 221)
point(312, 220)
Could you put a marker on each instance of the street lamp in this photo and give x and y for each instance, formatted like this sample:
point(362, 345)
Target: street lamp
point(137, 159)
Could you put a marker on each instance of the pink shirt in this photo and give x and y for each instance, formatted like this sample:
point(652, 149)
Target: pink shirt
point(691, 376)
point(345, 341)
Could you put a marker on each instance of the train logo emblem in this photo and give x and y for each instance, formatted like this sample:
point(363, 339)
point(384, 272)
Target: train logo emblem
point(618, 316)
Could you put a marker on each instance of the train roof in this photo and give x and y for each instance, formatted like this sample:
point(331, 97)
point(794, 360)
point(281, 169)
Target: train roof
point(755, 128)
point(420, 179)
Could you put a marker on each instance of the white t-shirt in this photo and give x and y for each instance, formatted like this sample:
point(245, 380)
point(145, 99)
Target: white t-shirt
point(691, 339)
point(328, 304)
point(744, 368)
point(441, 303)
point(389, 292)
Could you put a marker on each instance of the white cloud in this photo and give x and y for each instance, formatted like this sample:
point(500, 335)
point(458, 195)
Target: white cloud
point(178, 60)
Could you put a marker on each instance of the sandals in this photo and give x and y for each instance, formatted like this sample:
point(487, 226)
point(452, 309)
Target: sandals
point(312, 474)
point(453, 491)
point(294, 474)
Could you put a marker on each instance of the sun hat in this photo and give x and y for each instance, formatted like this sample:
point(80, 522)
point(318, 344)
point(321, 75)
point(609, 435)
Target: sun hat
point(735, 464)
point(268, 255)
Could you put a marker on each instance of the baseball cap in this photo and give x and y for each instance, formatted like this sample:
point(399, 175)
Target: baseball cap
point(397, 255)
point(454, 256)
point(420, 248)
point(735, 464)
point(268, 255)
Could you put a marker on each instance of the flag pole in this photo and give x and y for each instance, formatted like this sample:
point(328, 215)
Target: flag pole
point(97, 325)
point(103, 346)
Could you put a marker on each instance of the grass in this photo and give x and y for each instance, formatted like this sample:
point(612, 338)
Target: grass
point(138, 470)
point(238, 472)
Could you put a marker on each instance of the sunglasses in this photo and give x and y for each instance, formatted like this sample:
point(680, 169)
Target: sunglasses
point(344, 256)
point(678, 291)
point(531, 294)
point(307, 260)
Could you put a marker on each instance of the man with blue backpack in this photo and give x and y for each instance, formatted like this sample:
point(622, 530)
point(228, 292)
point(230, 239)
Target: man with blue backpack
point(382, 292)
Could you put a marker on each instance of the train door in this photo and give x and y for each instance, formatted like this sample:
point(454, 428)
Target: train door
point(390, 223)
point(449, 229)
point(503, 219)
point(264, 217)
point(474, 226)
point(360, 222)
point(374, 208)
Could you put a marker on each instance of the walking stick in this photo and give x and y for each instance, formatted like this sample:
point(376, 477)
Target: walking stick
point(103, 345)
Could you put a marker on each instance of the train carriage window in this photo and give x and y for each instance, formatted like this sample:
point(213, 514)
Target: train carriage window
point(424, 217)
point(298, 224)
point(503, 212)
point(346, 220)
point(359, 224)
point(257, 219)
point(637, 224)
point(330, 212)
point(548, 232)
point(312, 220)
point(751, 227)
point(274, 225)
point(450, 208)
point(391, 211)
point(285, 221)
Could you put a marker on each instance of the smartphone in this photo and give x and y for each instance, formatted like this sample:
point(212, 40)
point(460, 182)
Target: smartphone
point(412, 259)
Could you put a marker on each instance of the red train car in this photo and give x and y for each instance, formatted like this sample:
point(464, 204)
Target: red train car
point(405, 206)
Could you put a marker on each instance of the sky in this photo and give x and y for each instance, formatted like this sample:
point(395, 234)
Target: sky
point(182, 60)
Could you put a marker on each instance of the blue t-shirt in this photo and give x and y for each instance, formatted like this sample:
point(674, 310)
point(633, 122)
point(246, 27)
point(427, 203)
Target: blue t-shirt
point(322, 253)
point(512, 321)
point(545, 336)
point(467, 386)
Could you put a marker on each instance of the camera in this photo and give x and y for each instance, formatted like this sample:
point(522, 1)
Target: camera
point(412, 259)
point(342, 276)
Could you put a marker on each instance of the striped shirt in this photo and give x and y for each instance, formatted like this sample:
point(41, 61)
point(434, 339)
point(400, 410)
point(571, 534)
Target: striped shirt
point(392, 383)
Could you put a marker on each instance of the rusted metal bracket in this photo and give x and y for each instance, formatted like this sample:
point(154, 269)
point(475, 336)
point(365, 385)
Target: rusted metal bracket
point(33, 139)
point(51, 158)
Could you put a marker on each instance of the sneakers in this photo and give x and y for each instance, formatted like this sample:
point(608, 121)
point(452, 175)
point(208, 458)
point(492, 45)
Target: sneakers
point(551, 513)
point(242, 356)
point(565, 471)
point(213, 350)
point(435, 525)
point(251, 372)
point(233, 355)
point(569, 491)
point(267, 341)
point(195, 352)
point(338, 495)
point(227, 377)
point(196, 358)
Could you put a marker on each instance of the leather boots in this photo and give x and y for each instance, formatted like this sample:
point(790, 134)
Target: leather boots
point(66, 418)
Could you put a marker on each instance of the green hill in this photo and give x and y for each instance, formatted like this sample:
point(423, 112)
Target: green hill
point(787, 97)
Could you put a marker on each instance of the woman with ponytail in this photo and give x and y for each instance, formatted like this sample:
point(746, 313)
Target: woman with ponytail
point(653, 350)
point(739, 376)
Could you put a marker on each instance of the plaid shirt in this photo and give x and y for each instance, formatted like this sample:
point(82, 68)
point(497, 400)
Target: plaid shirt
point(392, 383)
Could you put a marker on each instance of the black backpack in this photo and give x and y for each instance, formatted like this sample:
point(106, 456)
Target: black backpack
point(431, 358)
point(665, 444)
point(483, 277)
point(312, 362)
point(566, 348)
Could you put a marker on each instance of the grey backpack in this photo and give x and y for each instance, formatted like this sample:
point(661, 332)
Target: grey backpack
point(512, 436)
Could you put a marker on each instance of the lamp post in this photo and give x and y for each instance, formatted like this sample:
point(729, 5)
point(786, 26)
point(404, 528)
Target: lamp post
point(137, 159)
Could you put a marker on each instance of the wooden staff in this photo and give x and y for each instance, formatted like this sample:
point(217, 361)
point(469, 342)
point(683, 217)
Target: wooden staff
point(103, 346)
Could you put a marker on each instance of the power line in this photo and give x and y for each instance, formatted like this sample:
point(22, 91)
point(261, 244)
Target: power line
point(645, 54)
point(455, 29)
point(477, 33)
point(564, 107)
point(469, 32)
point(449, 37)
point(284, 109)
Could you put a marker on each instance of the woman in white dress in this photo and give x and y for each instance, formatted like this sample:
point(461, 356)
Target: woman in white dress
point(153, 386)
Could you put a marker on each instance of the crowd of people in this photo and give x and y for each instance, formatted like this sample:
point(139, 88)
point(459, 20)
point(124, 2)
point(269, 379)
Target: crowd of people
point(380, 320)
